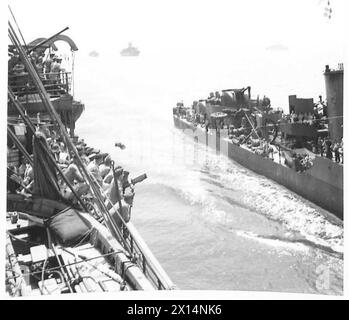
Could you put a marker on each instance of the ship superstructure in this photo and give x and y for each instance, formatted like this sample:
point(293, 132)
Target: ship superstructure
point(302, 150)
point(130, 51)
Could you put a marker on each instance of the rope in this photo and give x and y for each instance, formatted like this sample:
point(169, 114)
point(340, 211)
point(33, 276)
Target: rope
point(84, 237)
point(42, 275)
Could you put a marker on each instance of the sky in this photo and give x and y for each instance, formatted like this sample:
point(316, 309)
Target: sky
point(290, 37)
point(155, 24)
point(295, 32)
point(286, 42)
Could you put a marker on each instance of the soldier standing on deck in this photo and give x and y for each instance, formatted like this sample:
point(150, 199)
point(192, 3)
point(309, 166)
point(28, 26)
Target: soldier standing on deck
point(336, 152)
point(328, 149)
point(47, 64)
point(56, 69)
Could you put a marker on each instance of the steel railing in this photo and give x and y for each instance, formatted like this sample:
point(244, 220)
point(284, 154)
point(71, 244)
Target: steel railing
point(142, 256)
point(55, 83)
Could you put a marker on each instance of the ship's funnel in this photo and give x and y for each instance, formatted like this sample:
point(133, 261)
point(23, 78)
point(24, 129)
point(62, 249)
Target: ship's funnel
point(334, 93)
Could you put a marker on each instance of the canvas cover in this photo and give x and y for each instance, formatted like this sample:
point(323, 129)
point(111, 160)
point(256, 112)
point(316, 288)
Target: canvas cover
point(68, 227)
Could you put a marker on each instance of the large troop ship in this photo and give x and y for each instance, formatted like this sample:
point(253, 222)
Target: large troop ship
point(302, 150)
point(66, 231)
point(130, 51)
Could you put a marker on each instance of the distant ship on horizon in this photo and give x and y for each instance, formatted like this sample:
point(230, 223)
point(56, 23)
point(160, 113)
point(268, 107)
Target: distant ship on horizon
point(93, 54)
point(130, 51)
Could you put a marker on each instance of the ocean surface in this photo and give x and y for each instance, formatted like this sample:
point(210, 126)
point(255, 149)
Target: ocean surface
point(210, 222)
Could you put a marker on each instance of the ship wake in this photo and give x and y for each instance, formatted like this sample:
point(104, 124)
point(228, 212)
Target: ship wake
point(288, 241)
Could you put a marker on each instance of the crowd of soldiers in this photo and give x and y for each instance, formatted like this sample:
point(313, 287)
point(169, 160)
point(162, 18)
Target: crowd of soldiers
point(48, 67)
point(325, 147)
point(98, 163)
point(328, 148)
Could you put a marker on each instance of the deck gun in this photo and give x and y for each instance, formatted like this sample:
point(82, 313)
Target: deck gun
point(130, 193)
point(138, 179)
point(130, 184)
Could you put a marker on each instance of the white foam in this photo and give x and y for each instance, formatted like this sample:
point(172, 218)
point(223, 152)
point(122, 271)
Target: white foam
point(261, 195)
point(295, 213)
point(276, 243)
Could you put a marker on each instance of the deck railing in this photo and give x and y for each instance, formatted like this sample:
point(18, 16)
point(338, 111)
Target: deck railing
point(144, 258)
point(55, 83)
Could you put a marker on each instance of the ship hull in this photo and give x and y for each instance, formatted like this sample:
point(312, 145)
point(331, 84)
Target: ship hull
point(322, 184)
point(64, 103)
point(129, 54)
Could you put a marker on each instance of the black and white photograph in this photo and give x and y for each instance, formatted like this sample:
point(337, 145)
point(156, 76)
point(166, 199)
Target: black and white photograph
point(174, 149)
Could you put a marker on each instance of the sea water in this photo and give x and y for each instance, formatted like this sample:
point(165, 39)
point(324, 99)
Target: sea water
point(211, 223)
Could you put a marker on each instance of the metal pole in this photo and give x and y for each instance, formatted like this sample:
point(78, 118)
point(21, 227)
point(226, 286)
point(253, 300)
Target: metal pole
point(48, 104)
point(252, 125)
point(19, 145)
point(32, 128)
point(13, 16)
point(246, 138)
point(116, 185)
